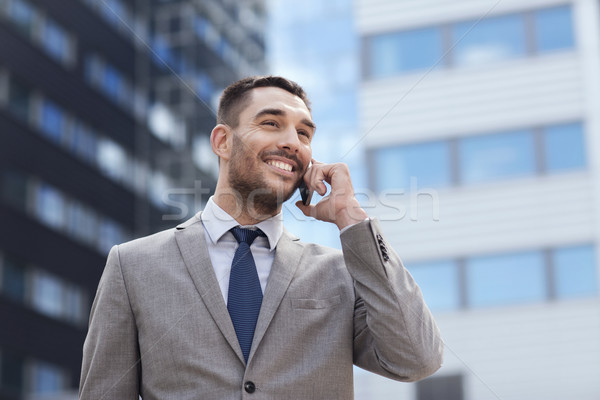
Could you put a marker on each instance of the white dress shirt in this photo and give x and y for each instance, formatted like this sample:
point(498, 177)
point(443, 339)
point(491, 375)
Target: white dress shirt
point(222, 245)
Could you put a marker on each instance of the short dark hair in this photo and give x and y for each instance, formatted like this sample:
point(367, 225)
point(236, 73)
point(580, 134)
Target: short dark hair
point(235, 97)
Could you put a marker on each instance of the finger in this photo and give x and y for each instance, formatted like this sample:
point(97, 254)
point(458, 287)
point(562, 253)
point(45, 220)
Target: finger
point(314, 178)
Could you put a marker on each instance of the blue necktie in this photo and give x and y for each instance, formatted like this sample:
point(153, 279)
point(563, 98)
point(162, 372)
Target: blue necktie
point(245, 295)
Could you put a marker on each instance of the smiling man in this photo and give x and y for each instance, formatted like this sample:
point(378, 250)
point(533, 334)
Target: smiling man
point(229, 305)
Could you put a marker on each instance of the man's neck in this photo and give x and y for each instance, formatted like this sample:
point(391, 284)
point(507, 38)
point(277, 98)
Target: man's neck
point(230, 203)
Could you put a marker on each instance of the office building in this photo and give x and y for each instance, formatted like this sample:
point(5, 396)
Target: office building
point(482, 146)
point(103, 130)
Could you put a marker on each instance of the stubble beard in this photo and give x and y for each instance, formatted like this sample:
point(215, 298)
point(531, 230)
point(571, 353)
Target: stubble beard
point(259, 199)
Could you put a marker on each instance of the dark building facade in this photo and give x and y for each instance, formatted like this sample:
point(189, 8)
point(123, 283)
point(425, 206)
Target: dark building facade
point(105, 111)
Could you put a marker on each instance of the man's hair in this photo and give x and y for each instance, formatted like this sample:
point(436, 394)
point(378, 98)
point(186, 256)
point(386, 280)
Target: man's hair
point(235, 97)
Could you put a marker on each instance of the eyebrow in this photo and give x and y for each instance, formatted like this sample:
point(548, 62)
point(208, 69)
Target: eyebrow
point(279, 112)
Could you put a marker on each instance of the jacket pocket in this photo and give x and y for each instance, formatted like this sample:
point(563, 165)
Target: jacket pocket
point(315, 304)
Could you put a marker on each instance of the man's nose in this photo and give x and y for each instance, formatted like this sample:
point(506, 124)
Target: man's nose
point(289, 140)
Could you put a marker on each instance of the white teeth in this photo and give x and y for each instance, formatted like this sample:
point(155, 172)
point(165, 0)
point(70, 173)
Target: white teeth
point(280, 165)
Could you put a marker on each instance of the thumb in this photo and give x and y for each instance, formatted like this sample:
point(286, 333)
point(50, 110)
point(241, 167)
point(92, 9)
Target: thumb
point(306, 210)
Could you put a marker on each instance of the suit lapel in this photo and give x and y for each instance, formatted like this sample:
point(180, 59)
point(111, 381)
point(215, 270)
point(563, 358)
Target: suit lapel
point(287, 259)
point(192, 245)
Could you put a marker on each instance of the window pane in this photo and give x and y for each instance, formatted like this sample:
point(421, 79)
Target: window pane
point(564, 147)
point(496, 156)
point(404, 51)
point(575, 271)
point(439, 283)
point(83, 143)
point(75, 309)
point(14, 189)
point(506, 279)
point(13, 280)
point(47, 294)
point(81, 223)
point(449, 387)
point(22, 13)
point(112, 159)
point(19, 98)
point(428, 162)
point(554, 29)
point(489, 40)
point(110, 234)
point(55, 40)
point(46, 378)
point(52, 120)
point(113, 82)
point(50, 205)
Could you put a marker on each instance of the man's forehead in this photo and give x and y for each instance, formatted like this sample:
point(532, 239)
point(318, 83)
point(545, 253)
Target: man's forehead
point(275, 97)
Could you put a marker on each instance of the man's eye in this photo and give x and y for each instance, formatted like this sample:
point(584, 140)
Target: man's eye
point(270, 123)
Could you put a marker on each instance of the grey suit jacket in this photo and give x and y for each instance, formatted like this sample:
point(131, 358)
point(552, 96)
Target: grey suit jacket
point(159, 326)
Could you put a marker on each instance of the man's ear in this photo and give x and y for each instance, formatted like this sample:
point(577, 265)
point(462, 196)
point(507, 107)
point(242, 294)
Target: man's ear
point(220, 140)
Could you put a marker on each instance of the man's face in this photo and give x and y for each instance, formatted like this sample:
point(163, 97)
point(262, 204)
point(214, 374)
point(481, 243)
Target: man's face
point(271, 148)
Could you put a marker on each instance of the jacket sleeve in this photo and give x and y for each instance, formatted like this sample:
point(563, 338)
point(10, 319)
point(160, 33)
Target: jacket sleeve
point(394, 332)
point(111, 359)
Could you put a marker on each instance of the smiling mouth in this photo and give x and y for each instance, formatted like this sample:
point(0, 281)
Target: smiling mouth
point(280, 165)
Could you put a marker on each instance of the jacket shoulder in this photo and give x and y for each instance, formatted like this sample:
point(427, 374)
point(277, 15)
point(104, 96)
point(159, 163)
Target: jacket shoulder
point(157, 244)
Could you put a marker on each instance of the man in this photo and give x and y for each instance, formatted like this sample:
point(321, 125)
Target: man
point(170, 321)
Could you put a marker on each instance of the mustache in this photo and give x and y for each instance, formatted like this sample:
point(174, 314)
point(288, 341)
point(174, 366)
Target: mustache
point(284, 154)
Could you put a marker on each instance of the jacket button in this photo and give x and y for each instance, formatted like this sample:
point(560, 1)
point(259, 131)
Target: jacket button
point(249, 387)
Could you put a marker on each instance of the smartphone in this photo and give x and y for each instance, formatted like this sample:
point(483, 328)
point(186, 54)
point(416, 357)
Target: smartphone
point(305, 193)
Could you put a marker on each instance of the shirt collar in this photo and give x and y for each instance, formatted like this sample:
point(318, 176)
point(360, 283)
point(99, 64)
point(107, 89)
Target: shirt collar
point(217, 222)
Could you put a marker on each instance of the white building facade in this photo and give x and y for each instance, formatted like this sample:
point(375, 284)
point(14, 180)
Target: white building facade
point(482, 128)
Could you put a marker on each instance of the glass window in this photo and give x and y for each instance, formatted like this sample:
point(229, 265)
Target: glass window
point(447, 387)
point(161, 53)
point(564, 147)
point(75, 307)
point(50, 206)
point(23, 14)
point(112, 159)
point(575, 271)
point(55, 40)
point(506, 279)
point(93, 68)
point(19, 99)
point(488, 41)
point(112, 82)
point(52, 120)
point(554, 29)
point(46, 294)
point(46, 378)
point(116, 13)
point(439, 282)
point(159, 185)
point(496, 156)
point(14, 189)
point(13, 280)
point(81, 222)
point(83, 142)
point(428, 162)
point(110, 234)
point(404, 51)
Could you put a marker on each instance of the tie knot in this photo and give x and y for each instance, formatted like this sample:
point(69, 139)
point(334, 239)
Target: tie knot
point(246, 235)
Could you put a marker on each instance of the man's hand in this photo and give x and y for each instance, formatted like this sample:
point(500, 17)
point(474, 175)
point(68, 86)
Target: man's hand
point(339, 206)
